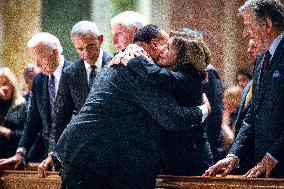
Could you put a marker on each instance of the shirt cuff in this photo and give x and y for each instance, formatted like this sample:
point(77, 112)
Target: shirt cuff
point(205, 112)
point(236, 157)
point(270, 156)
point(22, 151)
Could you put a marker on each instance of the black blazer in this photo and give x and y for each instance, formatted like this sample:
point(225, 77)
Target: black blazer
point(186, 151)
point(38, 124)
point(265, 119)
point(72, 93)
point(116, 135)
point(14, 120)
point(214, 92)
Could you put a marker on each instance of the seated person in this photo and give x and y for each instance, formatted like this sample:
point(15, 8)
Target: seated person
point(231, 101)
point(243, 77)
point(29, 72)
point(12, 113)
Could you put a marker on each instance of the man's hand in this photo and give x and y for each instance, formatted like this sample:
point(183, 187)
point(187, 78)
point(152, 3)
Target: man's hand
point(131, 51)
point(205, 102)
point(264, 167)
point(17, 159)
point(44, 166)
point(224, 166)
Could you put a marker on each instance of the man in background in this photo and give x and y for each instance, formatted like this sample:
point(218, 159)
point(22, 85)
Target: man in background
point(77, 80)
point(124, 26)
point(45, 51)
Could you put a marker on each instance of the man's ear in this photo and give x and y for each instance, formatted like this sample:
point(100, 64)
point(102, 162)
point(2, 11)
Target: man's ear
point(154, 43)
point(268, 25)
point(101, 38)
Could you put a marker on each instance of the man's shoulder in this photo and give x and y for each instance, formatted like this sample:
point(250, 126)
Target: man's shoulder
point(79, 64)
point(106, 58)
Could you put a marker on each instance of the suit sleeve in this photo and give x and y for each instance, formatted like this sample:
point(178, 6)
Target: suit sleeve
point(65, 107)
point(156, 75)
point(33, 124)
point(245, 135)
point(160, 105)
point(15, 120)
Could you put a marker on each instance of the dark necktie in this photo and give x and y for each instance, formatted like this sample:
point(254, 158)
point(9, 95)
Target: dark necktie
point(265, 63)
point(51, 92)
point(92, 75)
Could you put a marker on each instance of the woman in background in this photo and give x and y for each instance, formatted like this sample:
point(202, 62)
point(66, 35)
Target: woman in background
point(12, 113)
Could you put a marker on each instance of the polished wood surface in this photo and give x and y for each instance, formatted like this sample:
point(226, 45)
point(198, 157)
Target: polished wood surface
point(28, 179)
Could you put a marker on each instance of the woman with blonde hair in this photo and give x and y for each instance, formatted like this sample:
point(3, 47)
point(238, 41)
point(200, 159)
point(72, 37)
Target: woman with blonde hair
point(12, 113)
point(231, 100)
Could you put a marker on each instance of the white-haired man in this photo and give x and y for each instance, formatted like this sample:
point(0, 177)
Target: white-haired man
point(124, 26)
point(76, 81)
point(45, 50)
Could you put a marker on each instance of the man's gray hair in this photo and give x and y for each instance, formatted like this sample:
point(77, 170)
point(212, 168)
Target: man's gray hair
point(129, 19)
point(84, 27)
point(263, 9)
point(46, 39)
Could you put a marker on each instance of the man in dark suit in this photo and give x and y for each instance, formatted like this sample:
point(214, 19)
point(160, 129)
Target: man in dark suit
point(264, 22)
point(76, 80)
point(45, 50)
point(114, 141)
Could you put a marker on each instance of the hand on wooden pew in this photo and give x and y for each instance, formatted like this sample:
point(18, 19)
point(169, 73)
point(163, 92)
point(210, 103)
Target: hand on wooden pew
point(223, 167)
point(264, 168)
point(17, 159)
point(44, 166)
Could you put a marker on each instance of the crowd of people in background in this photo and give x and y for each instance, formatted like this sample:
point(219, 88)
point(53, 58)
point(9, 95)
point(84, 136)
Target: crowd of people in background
point(157, 106)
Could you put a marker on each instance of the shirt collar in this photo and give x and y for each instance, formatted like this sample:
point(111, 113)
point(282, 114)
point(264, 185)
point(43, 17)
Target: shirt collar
point(98, 63)
point(275, 43)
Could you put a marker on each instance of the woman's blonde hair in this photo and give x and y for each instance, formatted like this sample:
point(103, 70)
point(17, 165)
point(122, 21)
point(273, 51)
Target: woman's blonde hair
point(17, 98)
point(192, 51)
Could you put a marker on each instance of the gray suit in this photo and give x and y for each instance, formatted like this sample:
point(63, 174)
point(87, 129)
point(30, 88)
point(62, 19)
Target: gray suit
point(72, 94)
point(265, 119)
point(115, 141)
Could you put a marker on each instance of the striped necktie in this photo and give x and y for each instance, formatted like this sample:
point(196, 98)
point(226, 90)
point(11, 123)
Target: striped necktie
point(249, 95)
point(51, 92)
point(92, 75)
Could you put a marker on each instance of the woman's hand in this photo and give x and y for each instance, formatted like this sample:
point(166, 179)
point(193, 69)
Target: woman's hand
point(4, 131)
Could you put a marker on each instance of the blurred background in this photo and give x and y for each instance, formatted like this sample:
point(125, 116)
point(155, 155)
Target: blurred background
point(217, 19)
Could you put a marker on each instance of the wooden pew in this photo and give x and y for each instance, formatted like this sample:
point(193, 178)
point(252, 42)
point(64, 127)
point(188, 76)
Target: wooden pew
point(28, 179)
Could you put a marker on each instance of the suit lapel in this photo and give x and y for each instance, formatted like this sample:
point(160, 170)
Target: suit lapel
point(270, 70)
point(45, 106)
point(81, 74)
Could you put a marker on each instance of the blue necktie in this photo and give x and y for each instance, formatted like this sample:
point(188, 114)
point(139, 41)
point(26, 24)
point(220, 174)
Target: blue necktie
point(51, 92)
point(92, 76)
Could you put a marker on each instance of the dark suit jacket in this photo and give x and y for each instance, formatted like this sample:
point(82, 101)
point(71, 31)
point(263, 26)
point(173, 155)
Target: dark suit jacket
point(116, 135)
point(38, 125)
point(72, 93)
point(186, 151)
point(14, 120)
point(265, 119)
point(214, 92)
point(248, 161)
